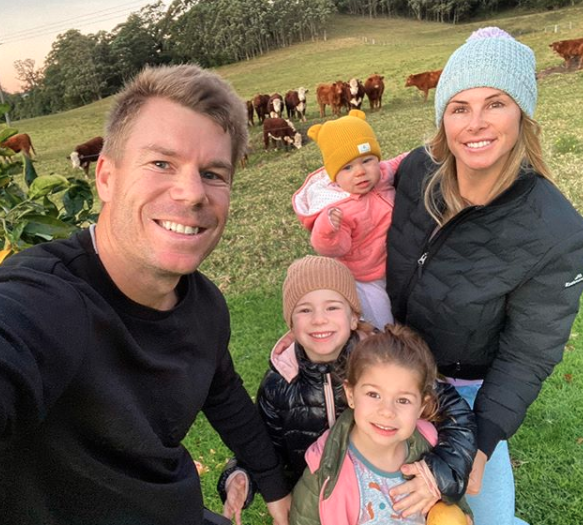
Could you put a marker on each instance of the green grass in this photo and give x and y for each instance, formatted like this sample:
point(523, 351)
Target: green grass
point(263, 235)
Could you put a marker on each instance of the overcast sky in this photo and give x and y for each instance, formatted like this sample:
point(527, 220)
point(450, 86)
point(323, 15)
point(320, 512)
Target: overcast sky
point(29, 27)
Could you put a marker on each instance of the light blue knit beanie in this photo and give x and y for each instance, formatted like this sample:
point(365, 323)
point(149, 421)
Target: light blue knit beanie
point(489, 58)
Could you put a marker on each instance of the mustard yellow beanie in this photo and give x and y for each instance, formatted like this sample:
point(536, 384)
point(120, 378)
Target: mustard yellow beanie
point(343, 140)
point(314, 272)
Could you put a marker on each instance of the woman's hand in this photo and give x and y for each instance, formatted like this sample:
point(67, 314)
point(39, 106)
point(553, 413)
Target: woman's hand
point(279, 510)
point(412, 496)
point(283, 343)
point(477, 474)
point(236, 489)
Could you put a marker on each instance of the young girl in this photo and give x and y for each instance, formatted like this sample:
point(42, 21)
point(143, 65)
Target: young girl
point(348, 204)
point(302, 394)
point(353, 467)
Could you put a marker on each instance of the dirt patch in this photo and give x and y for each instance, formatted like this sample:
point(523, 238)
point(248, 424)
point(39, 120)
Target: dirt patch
point(574, 64)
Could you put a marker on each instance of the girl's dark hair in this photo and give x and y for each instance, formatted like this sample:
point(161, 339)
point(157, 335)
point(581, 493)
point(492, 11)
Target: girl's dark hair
point(402, 346)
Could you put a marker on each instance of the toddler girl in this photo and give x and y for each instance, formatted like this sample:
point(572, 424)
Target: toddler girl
point(353, 467)
point(348, 204)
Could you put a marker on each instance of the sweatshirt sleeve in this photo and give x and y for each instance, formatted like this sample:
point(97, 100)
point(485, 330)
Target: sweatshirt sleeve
point(539, 316)
point(41, 347)
point(232, 413)
point(452, 458)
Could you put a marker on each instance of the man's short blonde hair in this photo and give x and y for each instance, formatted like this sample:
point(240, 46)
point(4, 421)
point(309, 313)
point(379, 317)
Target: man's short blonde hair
point(188, 85)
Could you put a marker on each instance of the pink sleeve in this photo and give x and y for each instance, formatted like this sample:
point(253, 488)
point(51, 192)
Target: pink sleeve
point(328, 241)
point(393, 164)
point(428, 431)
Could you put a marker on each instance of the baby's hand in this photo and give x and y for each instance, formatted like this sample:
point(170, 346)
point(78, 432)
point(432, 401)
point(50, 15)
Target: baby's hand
point(335, 216)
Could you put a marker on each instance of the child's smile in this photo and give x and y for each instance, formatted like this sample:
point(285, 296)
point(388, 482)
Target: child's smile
point(322, 321)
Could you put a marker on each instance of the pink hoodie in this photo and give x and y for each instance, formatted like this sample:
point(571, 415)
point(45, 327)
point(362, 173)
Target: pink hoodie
point(360, 242)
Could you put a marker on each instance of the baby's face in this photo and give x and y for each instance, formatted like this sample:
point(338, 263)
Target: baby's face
point(360, 175)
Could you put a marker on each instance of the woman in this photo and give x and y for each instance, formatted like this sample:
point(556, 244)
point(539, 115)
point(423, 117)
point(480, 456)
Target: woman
point(485, 253)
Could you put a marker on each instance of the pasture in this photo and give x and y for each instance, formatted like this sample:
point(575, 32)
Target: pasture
point(263, 235)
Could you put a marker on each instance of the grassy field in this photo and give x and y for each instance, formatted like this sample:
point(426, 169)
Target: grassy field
point(263, 235)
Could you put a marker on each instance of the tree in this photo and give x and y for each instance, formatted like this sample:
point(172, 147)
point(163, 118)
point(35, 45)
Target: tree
point(29, 77)
point(138, 41)
point(72, 76)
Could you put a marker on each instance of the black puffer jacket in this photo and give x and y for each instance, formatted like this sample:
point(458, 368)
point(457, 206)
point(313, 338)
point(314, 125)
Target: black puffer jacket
point(494, 292)
point(293, 405)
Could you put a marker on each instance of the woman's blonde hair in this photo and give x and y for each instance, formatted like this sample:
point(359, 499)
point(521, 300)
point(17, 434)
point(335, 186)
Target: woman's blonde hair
point(442, 196)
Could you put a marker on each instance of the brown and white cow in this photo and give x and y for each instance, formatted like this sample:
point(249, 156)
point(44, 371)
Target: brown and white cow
point(424, 81)
point(354, 93)
point(374, 87)
point(276, 130)
point(249, 104)
point(260, 103)
point(295, 103)
point(570, 50)
point(275, 105)
point(84, 154)
point(19, 143)
point(329, 95)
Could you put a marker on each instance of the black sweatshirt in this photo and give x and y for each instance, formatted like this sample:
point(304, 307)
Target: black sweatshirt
point(97, 392)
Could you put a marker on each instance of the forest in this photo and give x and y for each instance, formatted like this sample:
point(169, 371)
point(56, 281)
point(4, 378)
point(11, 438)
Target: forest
point(83, 68)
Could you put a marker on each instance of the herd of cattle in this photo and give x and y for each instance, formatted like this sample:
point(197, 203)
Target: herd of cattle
point(339, 95)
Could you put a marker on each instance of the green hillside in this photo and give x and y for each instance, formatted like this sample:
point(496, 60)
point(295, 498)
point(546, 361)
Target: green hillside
point(263, 235)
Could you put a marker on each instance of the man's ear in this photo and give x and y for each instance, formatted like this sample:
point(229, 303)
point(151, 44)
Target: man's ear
point(104, 178)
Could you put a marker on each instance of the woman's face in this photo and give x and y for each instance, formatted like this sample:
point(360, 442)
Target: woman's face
point(482, 126)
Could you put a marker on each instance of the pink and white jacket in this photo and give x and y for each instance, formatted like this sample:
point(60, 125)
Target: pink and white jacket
point(360, 242)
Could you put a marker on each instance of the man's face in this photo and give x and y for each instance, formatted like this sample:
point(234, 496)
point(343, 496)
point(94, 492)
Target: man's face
point(166, 201)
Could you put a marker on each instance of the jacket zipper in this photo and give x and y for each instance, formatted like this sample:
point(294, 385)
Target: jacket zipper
point(329, 400)
point(434, 242)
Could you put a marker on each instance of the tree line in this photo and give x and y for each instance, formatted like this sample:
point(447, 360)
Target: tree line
point(451, 11)
point(81, 69)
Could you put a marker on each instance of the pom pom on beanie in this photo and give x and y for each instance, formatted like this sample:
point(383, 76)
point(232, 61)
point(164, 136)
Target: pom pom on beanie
point(317, 273)
point(489, 58)
point(343, 140)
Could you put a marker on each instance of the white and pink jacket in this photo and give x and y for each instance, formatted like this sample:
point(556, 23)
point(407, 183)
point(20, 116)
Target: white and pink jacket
point(360, 242)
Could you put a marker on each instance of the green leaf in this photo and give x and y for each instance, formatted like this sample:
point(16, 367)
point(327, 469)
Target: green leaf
point(77, 198)
point(6, 133)
point(46, 184)
point(48, 228)
point(29, 171)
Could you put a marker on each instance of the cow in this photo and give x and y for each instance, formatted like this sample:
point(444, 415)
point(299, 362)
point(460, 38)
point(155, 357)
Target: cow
point(374, 88)
point(329, 95)
point(295, 103)
point(260, 102)
point(280, 130)
point(250, 121)
point(570, 50)
point(275, 105)
point(84, 154)
point(19, 143)
point(353, 94)
point(424, 81)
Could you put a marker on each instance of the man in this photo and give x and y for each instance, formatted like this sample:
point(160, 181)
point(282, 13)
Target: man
point(111, 342)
